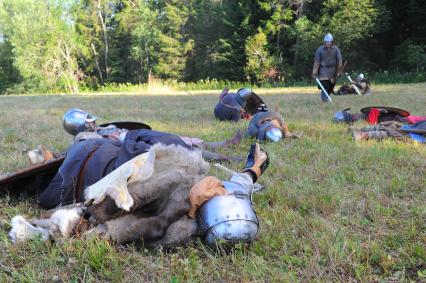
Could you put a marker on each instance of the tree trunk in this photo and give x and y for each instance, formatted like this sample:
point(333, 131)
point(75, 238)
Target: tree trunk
point(299, 14)
point(105, 36)
point(97, 63)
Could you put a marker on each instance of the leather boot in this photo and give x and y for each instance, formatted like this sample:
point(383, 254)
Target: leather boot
point(257, 162)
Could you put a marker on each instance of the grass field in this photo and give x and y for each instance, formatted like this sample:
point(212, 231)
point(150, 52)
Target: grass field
point(333, 210)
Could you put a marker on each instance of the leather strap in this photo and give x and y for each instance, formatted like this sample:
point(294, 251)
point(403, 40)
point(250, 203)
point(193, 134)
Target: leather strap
point(80, 179)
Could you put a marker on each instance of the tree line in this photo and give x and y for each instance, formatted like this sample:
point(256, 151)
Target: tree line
point(64, 45)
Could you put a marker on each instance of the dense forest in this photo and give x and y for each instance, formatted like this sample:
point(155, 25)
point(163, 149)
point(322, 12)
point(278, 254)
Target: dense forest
point(65, 45)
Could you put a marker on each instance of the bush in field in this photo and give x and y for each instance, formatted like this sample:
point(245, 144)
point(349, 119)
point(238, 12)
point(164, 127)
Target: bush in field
point(388, 77)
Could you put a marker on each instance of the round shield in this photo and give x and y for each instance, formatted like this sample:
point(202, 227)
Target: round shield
point(387, 110)
point(32, 176)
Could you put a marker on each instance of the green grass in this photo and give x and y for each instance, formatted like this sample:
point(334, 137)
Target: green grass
point(333, 210)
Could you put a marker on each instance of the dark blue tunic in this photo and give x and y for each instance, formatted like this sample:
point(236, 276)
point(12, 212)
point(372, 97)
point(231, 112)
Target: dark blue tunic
point(98, 157)
point(228, 109)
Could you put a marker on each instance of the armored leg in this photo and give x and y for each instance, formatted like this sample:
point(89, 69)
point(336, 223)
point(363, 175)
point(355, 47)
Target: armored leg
point(378, 135)
point(372, 128)
point(236, 139)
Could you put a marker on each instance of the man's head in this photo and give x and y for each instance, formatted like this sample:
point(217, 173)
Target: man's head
point(328, 40)
point(360, 77)
point(242, 96)
point(76, 121)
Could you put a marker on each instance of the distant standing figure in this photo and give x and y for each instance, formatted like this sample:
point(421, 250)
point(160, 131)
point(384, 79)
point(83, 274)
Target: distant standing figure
point(327, 65)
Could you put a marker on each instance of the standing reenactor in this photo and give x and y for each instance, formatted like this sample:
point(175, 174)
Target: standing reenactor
point(327, 66)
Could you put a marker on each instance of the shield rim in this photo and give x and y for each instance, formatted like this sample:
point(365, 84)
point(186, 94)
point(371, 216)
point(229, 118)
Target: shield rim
point(54, 164)
point(400, 112)
point(129, 125)
point(31, 171)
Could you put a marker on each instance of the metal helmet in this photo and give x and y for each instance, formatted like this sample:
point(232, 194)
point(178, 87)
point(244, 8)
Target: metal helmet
point(74, 121)
point(228, 219)
point(360, 77)
point(274, 134)
point(342, 117)
point(243, 95)
point(328, 38)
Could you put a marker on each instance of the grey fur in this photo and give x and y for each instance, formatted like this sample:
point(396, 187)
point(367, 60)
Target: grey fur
point(160, 203)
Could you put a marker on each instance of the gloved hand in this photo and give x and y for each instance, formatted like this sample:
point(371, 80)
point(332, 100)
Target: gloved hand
point(204, 190)
point(314, 76)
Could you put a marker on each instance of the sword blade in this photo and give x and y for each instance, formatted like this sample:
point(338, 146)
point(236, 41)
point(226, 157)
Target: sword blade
point(323, 89)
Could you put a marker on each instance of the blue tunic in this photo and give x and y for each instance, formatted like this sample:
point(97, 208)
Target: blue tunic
point(228, 109)
point(99, 157)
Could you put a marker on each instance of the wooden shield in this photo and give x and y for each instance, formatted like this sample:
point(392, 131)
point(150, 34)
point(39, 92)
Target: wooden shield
point(38, 176)
point(32, 178)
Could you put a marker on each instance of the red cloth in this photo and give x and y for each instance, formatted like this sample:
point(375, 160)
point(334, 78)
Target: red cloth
point(246, 115)
point(373, 116)
point(415, 119)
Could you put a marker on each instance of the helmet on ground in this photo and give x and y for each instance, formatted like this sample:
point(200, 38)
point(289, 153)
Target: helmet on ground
point(228, 219)
point(243, 95)
point(74, 121)
point(342, 117)
point(274, 134)
point(328, 38)
point(360, 76)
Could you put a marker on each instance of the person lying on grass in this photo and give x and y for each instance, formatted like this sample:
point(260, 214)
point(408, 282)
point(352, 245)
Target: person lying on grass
point(360, 83)
point(159, 198)
point(377, 114)
point(97, 151)
point(392, 129)
point(236, 106)
point(269, 125)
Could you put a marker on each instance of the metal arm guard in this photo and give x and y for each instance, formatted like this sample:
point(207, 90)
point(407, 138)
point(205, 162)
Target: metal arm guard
point(229, 219)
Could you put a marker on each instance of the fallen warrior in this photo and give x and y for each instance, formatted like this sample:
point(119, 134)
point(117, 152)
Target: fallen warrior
point(360, 84)
point(161, 198)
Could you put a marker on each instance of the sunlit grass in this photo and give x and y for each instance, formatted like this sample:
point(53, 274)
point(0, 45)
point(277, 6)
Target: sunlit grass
point(333, 209)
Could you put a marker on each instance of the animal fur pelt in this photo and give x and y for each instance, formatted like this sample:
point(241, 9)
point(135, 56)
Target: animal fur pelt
point(156, 214)
point(159, 201)
point(115, 184)
point(59, 224)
